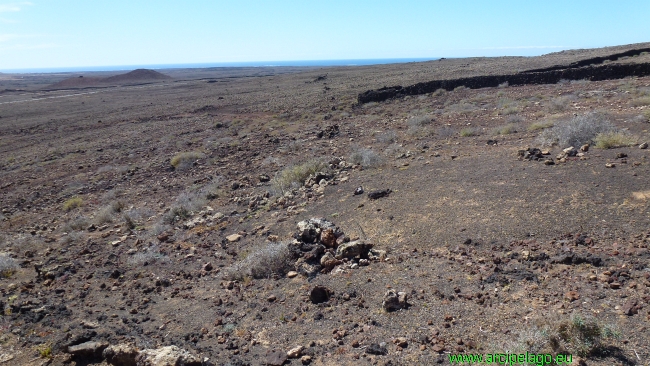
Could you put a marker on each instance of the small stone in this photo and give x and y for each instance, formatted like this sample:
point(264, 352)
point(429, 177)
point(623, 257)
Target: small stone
point(621, 155)
point(643, 146)
point(439, 348)
point(394, 301)
point(207, 267)
point(358, 191)
point(233, 238)
point(295, 352)
point(610, 165)
point(572, 296)
point(306, 360)
point(615, 285)
point(401, 342)
point(271, 298)
point(376, 349)
point(292, 274)
point(584, 148)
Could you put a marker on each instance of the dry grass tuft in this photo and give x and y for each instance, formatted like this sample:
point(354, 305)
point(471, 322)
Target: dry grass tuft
point(185, 160)
point(610, 140)
point(274, 258)
point(295, 176)
point(540, 125)
point(72, 203)
point(468, 132)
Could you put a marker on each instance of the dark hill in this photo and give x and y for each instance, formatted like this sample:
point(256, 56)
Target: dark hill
point(135, 76)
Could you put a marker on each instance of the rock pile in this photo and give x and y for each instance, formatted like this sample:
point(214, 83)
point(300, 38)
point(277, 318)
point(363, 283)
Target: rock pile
point(320, 246)
point(535, 154)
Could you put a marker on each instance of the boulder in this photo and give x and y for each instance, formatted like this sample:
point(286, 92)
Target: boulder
point(166, 356)
point(394, 301)
point(87, 349)
point(353, 249)
point(120, 355)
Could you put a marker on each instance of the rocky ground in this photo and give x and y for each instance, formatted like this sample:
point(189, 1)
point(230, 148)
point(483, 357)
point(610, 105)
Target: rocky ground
point(272, 220)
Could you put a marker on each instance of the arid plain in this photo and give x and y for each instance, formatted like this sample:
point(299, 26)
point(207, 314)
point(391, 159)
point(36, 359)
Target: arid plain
point(263, 216)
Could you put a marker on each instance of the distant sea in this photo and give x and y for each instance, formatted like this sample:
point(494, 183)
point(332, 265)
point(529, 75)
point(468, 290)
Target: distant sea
point(309, 63)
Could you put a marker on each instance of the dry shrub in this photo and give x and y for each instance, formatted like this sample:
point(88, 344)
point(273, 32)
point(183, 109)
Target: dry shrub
point(185, 160)
point(560, 104)
point(184, 206)
point(274, 258)
point(419, 121)
point(577, 131)
point(150, 256)
point(506, 129)
point(365, 157)
point(8, 266)
point(387, 137)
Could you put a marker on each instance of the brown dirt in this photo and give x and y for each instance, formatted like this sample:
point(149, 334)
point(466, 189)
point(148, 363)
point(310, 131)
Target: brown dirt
point(481, 241)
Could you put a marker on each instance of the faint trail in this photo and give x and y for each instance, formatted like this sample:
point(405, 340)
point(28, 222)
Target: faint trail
point(92, 92)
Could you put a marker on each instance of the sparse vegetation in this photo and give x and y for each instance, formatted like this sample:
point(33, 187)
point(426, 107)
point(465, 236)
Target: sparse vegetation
point(44, 351)
point(639, 102)
point(149, 256)
point(72, 203)
point(387, 137)
point(506, 129)
point(8, 266)
point(468, 132)
point(365, 157)
point(274, 258)
point(582, 336)
point(577, 131)
point(609, 140)
point(560, 104)
point(183, 207)
point(295, 176)
point(419, 121)
point(540, 125)
point(185, 160)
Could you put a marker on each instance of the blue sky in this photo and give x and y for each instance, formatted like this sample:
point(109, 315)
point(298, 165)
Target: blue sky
point(77, 33)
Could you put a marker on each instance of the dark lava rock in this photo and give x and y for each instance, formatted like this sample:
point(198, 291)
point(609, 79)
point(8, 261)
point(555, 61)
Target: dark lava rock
point(379, 194)
point(573, 258)
point(320, 294)
point(375, 349)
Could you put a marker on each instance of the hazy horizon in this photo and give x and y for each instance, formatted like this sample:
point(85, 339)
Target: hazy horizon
point(48, 34)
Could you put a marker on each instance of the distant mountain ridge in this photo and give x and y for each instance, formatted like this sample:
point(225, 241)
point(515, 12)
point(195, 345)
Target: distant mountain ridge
point(135, 76)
